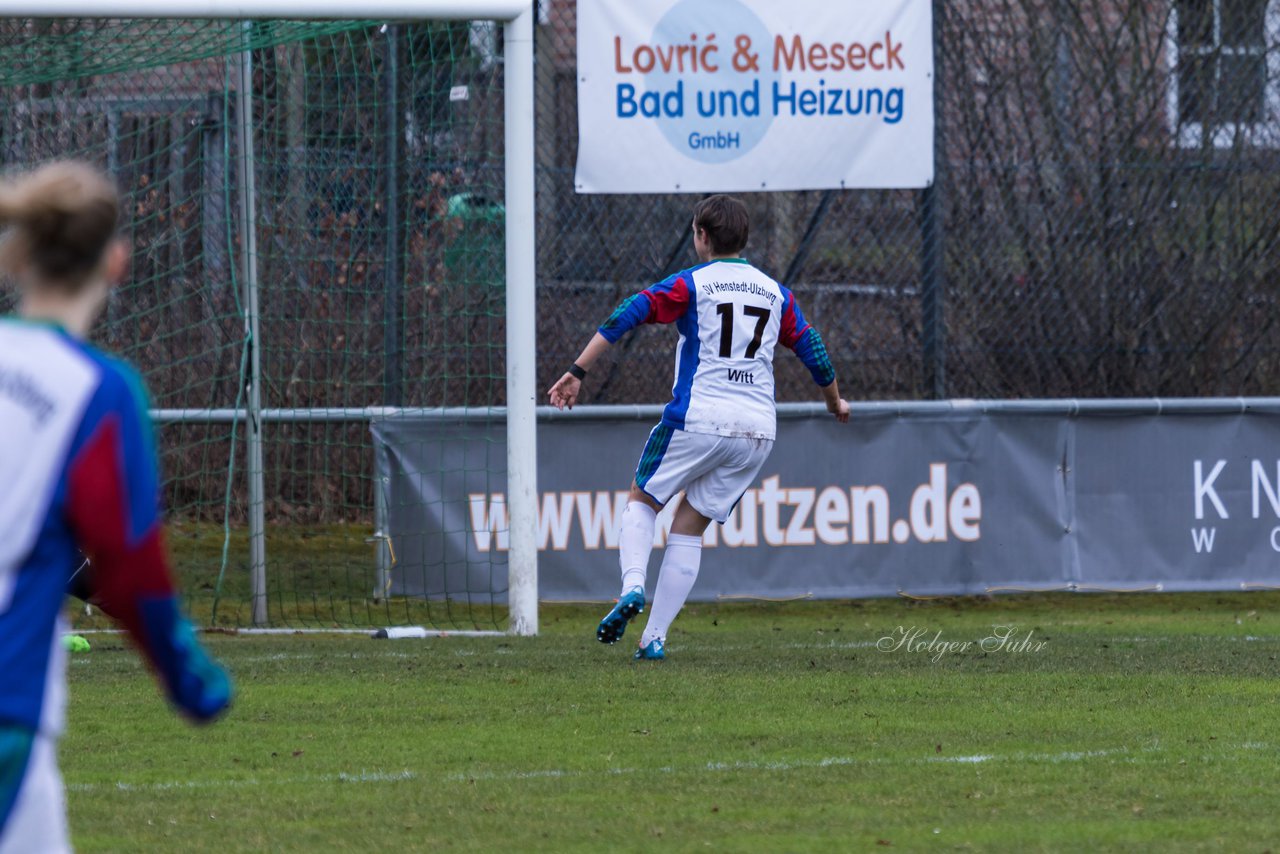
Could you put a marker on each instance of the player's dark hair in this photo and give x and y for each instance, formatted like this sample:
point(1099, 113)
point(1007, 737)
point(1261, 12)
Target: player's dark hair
point(60, 219)
point(725, 220)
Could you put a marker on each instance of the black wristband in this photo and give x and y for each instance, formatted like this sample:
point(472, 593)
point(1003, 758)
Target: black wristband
point(575, 371)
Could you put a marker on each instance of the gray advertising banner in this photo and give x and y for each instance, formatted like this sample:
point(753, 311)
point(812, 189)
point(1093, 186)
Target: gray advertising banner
point(930, 500)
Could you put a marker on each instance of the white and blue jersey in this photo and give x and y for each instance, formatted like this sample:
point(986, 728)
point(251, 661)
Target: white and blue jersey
point(79, 471)
point(730, 317)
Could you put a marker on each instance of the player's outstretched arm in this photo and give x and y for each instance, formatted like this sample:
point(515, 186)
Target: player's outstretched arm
point(565, 392)
point(836, 405)
point(805, 341)
point(660, 303)
point(113, 508)
point(812, 352)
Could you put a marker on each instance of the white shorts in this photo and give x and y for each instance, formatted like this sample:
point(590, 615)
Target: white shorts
point(33, 811)
point(712, 470)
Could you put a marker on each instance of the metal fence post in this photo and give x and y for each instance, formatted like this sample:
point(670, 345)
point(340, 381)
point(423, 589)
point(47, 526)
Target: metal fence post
point(806, 240)
point(933, 331)
point(393, 369)
point(381, 538)
point(253, 383)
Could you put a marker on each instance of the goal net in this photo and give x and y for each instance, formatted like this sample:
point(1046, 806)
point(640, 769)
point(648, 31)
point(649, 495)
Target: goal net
point(317, 214)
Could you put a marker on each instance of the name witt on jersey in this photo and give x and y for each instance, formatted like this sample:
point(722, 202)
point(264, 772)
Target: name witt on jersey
point(713, 288)
point(741, 376)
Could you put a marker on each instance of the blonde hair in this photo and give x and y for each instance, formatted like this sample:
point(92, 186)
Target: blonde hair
point(59, 220)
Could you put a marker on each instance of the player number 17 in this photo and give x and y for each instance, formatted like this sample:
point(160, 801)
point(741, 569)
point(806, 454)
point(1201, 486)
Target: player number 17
point(725, 310)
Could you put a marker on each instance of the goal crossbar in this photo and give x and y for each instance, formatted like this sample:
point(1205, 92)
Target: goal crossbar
point(422, 10)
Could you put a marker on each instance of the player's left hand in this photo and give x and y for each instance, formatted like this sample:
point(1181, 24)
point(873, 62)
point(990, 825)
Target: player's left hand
point(565, 391)
point(841, 411)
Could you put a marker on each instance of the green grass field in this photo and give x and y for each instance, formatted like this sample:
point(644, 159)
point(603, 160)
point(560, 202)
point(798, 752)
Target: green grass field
point(1139, 721)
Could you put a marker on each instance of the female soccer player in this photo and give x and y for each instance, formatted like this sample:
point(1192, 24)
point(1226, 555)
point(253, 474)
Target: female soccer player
point(720, 425)
point(79, 473)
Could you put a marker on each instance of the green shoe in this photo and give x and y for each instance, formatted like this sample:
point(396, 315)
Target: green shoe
point(75, 643)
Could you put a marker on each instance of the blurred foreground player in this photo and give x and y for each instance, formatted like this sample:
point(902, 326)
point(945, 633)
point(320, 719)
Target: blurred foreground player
point(78, 468)
point(720, 425)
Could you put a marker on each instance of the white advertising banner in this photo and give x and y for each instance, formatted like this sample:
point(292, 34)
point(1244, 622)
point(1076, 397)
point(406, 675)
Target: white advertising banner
point(740, 95)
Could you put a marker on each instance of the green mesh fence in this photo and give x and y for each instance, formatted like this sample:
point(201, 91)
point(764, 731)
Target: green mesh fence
point(1106, 197)
point(380, 241)
point(379, 233)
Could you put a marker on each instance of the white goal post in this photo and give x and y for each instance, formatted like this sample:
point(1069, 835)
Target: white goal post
point(521, 355)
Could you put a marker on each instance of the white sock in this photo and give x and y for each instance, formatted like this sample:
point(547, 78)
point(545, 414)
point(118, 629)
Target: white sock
point(675, 580)
point(635, 542)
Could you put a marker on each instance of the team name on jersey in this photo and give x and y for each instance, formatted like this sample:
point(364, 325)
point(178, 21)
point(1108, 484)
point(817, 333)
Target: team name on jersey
point(712, 288)
point(23, 390)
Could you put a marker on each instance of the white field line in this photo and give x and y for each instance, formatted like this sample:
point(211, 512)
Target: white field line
point(703, 646)
point(313, 655)
point(429, 633)
point(407, 775)
point(83, 660)
point(1168, 638)
point(832, 644)
point(87, 659)
point(828, 645)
